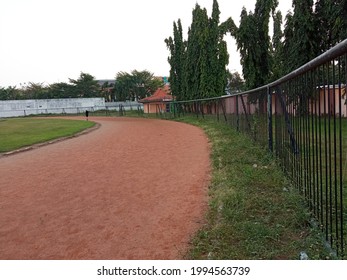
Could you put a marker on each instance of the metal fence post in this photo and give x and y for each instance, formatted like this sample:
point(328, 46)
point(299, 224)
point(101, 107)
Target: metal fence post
point(269, 117)
point(237, 114)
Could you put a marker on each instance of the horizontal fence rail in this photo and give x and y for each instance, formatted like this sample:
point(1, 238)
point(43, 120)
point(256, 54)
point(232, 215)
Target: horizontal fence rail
point(302, 119)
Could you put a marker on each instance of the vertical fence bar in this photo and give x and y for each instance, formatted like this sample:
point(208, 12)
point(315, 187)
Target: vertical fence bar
point(334, 184)
point(269, 116)
point(320, 159)
point(330, 160)
point(343, 176)
point(326, 162)
point(237, 114)
point(222, 101)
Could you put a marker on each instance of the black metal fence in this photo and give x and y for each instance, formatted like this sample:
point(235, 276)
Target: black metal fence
point(302, 119)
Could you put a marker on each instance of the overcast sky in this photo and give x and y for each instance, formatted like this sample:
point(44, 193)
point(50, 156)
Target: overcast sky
point(49, 41)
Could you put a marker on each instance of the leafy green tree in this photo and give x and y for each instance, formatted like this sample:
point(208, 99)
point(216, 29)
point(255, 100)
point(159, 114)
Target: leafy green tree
point(196, 58)
point(301, 45)
point(85, 86)
point(248, 47)
point(277, 48)
point(218, 56)
point(3, 93)
point(61, 90)
point(288, 45)
point(123, 86)
point(235, 82)
point(145, 84)
point(198, 66)
point(10, 93)
point(254, 43)
point(177, 47)
point(35, 91)
point(341, 24)
point(136, 85)
point(331, 16)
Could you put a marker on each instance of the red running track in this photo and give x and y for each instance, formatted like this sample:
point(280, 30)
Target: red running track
point(132, 189)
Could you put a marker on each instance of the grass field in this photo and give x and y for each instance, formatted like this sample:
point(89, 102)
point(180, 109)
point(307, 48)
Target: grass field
point(16, 133)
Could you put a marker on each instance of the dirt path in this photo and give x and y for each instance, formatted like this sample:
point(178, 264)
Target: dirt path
point(133, 189)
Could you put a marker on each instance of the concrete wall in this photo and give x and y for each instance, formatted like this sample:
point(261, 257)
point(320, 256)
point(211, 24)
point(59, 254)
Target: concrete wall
point(154, 108)
point(329, 102)
point(17, 108)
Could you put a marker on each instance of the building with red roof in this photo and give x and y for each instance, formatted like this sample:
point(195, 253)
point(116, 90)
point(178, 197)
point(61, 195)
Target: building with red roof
point(158, 102)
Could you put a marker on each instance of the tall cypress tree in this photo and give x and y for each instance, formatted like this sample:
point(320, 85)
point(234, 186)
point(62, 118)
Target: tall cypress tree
point(221, 56)
point(277, 47)
point(342, 23)
point(176, 45)
point(198, 66)
point(288, 48)
point(262, 12)
point(304, 45)
point(217, 56)
point(254, 43)
point(331, 16)
point(212, 48)
point(247, 45)
point(325, 17)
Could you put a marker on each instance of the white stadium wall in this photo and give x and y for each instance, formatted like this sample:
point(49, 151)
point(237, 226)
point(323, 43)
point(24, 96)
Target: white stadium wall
point(17, 108)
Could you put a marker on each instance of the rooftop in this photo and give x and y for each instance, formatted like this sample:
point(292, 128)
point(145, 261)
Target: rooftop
point(161, 95)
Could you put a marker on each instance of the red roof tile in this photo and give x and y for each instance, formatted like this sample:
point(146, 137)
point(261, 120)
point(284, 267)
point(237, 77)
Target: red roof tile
point(159, 96)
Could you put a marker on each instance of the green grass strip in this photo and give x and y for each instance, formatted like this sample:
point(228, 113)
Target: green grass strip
point(16, 133)
point(254, 212)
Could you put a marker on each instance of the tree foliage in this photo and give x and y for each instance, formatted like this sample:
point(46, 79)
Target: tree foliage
point(128, 86)
point(277, 47)
point(61, 90)
point(331, 22)
point(304, 40)
point(254, 44)
point(218, 57)
point(10, 93)
point(235, 82)
point(196, 60)
point(198, 65)
point(123, 85)
point(312, 29)
point(85, 86)
point(177, 47)
point(136, 85)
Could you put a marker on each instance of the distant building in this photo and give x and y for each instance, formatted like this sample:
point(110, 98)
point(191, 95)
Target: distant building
point(158, 102)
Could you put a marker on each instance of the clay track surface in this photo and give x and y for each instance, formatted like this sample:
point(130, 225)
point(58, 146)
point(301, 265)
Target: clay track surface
point(132, 189)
